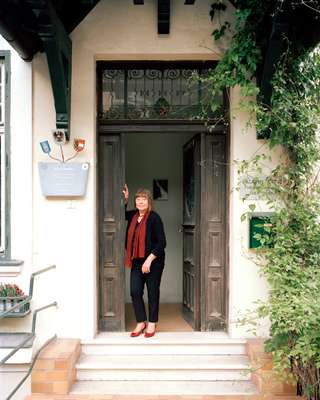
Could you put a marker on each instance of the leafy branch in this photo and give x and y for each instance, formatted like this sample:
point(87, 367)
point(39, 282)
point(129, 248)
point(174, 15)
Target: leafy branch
point(291, 257)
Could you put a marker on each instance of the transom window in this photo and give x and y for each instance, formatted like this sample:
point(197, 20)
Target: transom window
point(153, 93)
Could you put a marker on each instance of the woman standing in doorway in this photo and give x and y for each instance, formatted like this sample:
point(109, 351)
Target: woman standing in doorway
point(145, 244)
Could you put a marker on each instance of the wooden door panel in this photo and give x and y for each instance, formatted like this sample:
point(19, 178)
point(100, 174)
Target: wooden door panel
point(191, 232)
point(111, 250)
point(213, 233)
point(215, 151)
point(189, 274)
point(215, 300)
point(110, 305)
point(215, 244)
point(190, 279)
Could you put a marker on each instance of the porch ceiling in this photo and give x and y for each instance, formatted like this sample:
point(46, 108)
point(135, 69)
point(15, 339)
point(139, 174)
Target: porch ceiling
point(20, 27)
point(44, 25)
point(19, 23)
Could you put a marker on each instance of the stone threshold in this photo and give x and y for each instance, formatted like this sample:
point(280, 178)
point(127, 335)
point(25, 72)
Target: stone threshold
point(160, 397)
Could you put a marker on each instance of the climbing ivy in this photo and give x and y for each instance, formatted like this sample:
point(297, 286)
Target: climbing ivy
point(290, 260)
point(292, 264)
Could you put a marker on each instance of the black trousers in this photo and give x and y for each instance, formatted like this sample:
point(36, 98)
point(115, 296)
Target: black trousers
point(137, 282)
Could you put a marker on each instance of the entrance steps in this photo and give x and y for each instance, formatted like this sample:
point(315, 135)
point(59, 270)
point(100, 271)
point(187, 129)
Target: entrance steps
point(177, 364)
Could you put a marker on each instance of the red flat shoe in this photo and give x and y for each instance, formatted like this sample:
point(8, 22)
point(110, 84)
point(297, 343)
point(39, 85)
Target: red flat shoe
point(149, 334)
point(135, 334)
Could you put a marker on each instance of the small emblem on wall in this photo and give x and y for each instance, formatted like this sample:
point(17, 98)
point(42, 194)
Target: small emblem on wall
point(59, 136)
point(45, 146)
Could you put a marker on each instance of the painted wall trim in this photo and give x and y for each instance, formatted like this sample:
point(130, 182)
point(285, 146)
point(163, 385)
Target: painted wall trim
point(6, 56)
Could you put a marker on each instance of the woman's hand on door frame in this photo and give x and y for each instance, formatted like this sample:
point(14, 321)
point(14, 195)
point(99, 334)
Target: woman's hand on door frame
point(125, 192)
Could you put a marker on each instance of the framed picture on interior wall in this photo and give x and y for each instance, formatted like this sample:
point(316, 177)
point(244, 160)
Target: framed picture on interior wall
point(160, 189)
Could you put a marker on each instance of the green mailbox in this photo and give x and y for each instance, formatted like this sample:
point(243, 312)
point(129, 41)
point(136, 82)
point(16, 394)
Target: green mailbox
point(258, 225)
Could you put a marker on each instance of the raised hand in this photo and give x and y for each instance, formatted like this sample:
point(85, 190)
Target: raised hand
point(125, 192)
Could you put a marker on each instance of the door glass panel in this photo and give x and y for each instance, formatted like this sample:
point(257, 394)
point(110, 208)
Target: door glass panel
point(189, 186)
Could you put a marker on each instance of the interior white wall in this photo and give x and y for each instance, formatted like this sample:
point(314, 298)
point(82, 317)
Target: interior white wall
point(159, 156)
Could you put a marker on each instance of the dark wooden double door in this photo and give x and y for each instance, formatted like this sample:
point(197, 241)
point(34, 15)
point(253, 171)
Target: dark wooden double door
point(204, 303)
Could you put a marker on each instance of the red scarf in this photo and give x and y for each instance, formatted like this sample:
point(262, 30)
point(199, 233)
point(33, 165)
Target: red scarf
point(140, 239)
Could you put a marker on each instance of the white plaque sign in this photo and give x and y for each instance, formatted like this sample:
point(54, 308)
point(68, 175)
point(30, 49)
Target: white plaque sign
point(63, 179)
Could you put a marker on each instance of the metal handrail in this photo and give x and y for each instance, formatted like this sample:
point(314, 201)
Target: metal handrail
point(28, 298)
point(32, 335)
point(34, 318)
point(38, 273)
point(18, 347)
point(34, 359)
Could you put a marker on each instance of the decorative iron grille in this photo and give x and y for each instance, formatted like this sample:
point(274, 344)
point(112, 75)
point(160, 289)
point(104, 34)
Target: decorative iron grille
point(154, 94)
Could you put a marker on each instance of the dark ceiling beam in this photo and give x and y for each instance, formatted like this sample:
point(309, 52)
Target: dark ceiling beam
point(191, 2)
point(276, 46)
point(163, 17)
point(234, 3)
point(137, 2)
point(58, 49)
point(12, 16)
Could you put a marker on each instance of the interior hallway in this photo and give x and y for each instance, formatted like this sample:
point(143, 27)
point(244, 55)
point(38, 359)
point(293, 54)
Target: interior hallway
point(170, 318)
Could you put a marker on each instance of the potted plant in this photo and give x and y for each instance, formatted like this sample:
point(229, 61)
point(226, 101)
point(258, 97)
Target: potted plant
point(10, 295)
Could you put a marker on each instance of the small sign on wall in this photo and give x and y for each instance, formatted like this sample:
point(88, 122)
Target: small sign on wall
point(160, 189)
point(63, 179)
point(248, 186)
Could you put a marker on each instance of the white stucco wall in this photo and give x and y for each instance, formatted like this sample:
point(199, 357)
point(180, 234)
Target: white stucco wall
point(65, 233)
point(244, 281)
point(20, 129)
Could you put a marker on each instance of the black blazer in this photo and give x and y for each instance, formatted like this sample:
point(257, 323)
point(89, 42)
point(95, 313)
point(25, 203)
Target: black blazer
point(155, 236)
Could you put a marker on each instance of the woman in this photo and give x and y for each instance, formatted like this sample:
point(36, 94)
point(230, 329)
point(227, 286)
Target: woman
point(145, 244)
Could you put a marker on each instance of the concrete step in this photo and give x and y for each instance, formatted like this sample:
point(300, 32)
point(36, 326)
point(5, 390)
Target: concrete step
point(163, 367)
point(170, 363)
point(164, 343)
point(164, 388)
